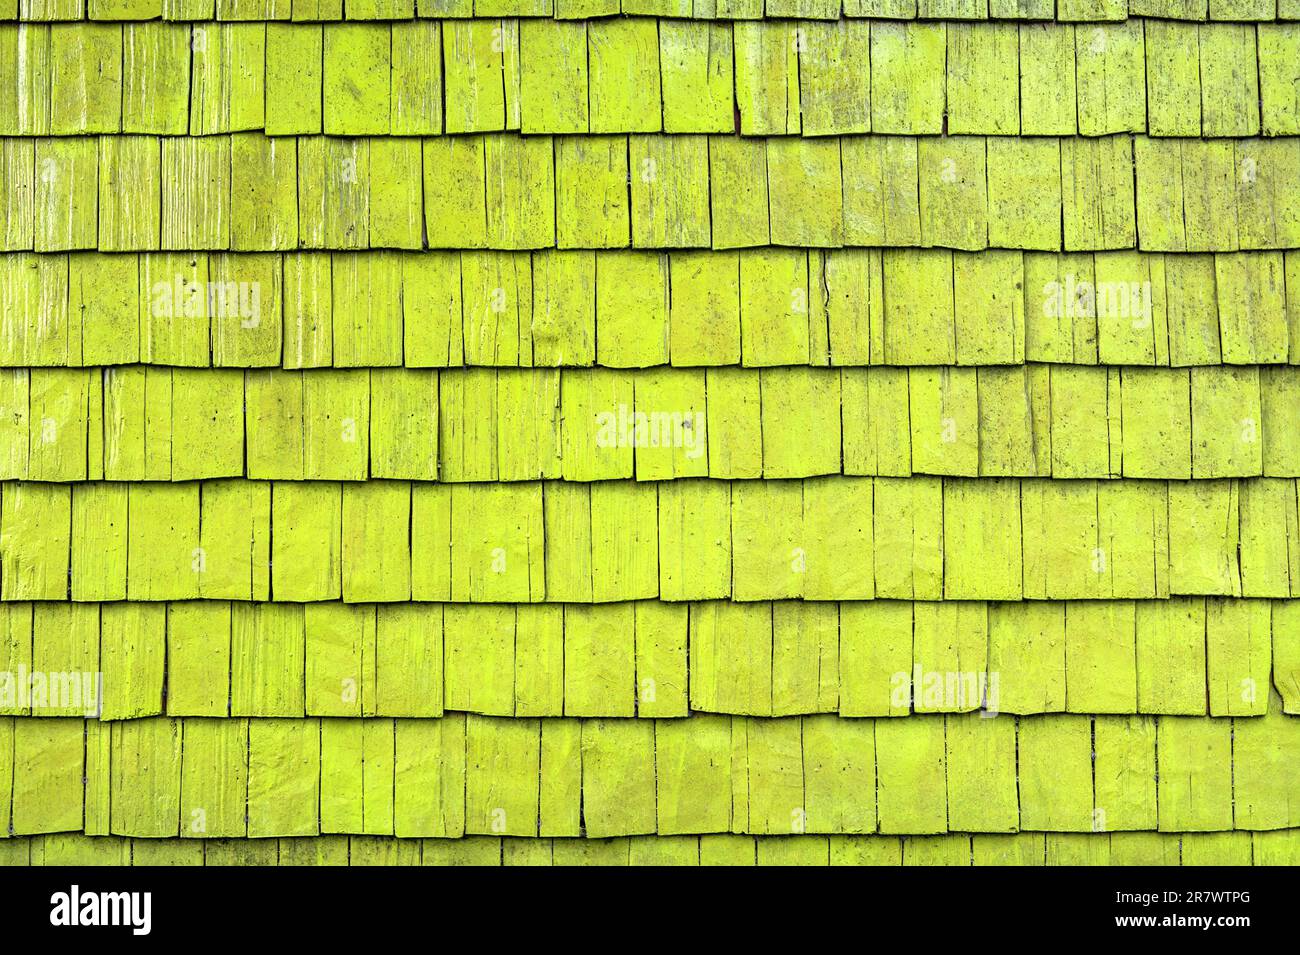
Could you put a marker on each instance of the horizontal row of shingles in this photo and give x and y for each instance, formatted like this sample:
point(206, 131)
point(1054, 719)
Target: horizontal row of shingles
point(642, 75)
point(507, 191)
point(308, 10)
point(838, 538)
point(144, 423)
point(222, 778)
point(1275, 847)
point(641, 309)
point(1185, 656)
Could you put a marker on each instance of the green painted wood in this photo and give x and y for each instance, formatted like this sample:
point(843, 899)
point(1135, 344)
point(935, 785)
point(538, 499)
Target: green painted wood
point(618, 777)
point(1027, 848)
point(875, 656)
point(501, 781)
point(369, 287)
point(1098, 192)
point(228, 77)
point(479, 657)
point(475, 91)
point(907, 77)
point(1101, 638)
point(623, 64)
point(805, 192)
point(944, 421)
point(670, 191)
point(805, 658)
point(837, 520)
point(48, 760)
point(982, 81)
point(283, 777)
point(1124, 773)
point(739, 205)
point(911, 770)
point(695, 543)
point(1265, 551)
point(1261, 787)
point(953, 192)
point(34, 542)
point(768, 556)
point(1195, 784)
point(267, 655)
point(704, 319)
point(981, 773)
point(1024, 193)
point(599, 661)
point(132, 651)
point(416, 96)
point(429, 777)
point(835, 76)
point(728, 850)
point(146, 773)
point(86, 79)
point(1238, 656)
point(343, 772)
point(153, 53)
point(731, 649)
point(632, 308)
point(1202, 539)
point(1230, 87)
point(66, 172)
point(839, 775)
point(563, 327)
point(554, 77)
point(1171, 657)
point(376, 557)
point(881, 199)
point(1173, 78)
point(1047, 80)
point(693, 763)
point(876, 406)
point(592, 196)
point(539, 661)
point(696, 70)
point(767, 77)
point(949, 656)
point(1027, 654)
point(500, 557)
point(408, 667)
point(1054, 769)
point(970, 510)
point(775, 801)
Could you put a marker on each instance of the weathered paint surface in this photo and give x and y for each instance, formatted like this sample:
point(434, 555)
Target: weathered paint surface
point(647, 432)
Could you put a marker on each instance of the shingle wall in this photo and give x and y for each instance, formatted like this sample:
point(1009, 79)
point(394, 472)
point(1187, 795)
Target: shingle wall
point(717, 433)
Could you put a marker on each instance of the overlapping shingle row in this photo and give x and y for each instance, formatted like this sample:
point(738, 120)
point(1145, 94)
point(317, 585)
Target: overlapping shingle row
point(142, 423)
point(643, 75)
point(458, 775)
point(835, 538)
point(248, 192)
point(950, 10)
point(520, 432)
point(636, 309)
point(651, 659)
point(1273, 848)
